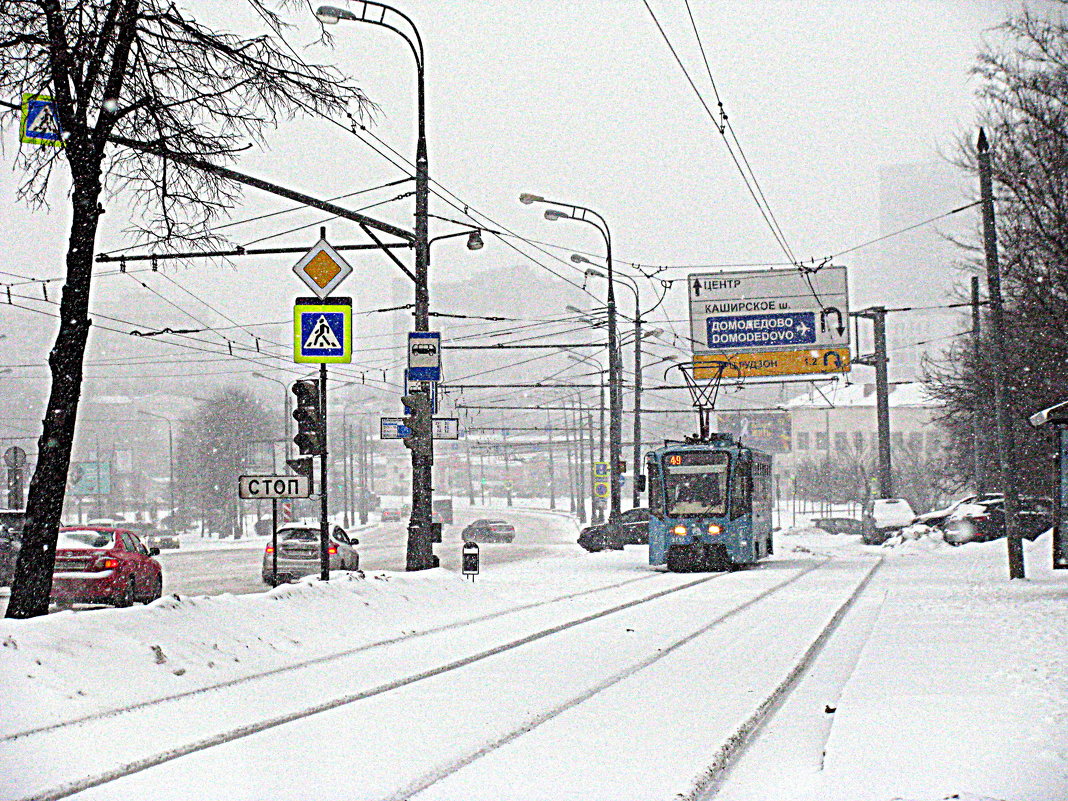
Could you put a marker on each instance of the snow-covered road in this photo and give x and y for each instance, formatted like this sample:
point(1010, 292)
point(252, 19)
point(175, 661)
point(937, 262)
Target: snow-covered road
point(434, 712)
point(857, 672)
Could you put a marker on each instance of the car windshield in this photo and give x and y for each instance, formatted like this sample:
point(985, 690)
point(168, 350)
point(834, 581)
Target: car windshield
point(695, 483)
point(84, 539)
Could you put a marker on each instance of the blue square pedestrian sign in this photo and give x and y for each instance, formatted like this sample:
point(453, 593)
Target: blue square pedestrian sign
point(40, 121)
point(322, 330)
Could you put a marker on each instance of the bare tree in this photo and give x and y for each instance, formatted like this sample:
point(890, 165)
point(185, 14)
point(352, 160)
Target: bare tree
point(139, 69)
point(1024, 92)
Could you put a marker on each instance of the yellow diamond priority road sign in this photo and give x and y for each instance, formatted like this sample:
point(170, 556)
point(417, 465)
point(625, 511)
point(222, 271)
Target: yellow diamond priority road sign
point(322, 269)
point(773, 363)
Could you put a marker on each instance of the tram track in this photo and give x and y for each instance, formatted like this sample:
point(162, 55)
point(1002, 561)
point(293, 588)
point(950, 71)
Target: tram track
point(458, 762)
point(127, 768)
point(319, 660)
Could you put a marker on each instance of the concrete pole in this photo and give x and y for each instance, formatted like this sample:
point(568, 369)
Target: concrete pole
point(1002, 418)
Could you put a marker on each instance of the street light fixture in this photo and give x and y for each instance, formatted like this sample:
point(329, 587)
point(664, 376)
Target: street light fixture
point(170, 455)
point(578, 213)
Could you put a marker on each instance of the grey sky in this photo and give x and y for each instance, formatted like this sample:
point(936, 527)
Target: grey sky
point(584, 102)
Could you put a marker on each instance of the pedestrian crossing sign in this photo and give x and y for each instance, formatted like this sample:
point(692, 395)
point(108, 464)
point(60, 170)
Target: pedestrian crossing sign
point(40, 121)
point(322, 330)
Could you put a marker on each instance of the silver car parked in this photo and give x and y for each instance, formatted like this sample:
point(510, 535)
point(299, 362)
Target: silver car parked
point(298, 552)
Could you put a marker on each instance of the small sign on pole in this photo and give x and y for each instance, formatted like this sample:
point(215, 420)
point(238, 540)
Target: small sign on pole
point(424, 356)
point(40, 121)
point(393, 428)
point(260, 488)
point(446, 427)
point(322, 330)
point(470, 559)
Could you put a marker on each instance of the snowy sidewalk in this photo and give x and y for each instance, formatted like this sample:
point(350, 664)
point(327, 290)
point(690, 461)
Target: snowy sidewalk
point(947, 679)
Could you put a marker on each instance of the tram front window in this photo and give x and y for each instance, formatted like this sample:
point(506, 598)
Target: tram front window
point(695, 483)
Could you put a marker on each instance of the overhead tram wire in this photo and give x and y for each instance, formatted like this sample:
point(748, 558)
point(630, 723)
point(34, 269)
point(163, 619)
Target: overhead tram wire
point(725, 123)
point(766, 213)
point(464, 208)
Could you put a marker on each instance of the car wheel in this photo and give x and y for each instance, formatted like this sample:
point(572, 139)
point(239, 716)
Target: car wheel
point(126, 595)
point(157, 591)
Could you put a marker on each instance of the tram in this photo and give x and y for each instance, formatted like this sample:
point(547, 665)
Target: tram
point(710, 503)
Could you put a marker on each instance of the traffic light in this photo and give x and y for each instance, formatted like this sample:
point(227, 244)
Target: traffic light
point(309, 417)
point(302, 466)
point(418, 422)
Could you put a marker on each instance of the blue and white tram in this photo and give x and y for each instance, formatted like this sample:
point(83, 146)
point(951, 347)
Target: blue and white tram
point(710, 504)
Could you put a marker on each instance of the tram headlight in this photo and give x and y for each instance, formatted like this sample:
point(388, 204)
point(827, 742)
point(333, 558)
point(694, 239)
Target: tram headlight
point(713, 529)
point(679, 531)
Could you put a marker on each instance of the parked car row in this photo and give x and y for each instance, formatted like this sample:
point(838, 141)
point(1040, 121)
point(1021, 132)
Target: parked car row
point(983, 519)
point(975, 518)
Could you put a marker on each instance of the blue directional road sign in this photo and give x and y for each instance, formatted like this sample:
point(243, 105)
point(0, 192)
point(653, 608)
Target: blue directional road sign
point(424, 356)
point(393, 428)
point(769, 331)
point(40, 121)
point(322, 330)
point(429, 387)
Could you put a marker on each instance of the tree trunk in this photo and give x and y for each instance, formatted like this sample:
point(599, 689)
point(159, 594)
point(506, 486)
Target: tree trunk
point(32, 584)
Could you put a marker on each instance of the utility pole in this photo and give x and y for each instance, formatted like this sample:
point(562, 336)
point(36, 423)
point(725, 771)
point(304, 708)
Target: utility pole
point(977, 423)
point(552, 465)
point(1002, 419)
point(636, 495)
point(570, 469)
point(507, 471)
point(362, 499)
point(324, 518)
point(589, 473)
point(470, 477)
point(879, 360)
point(482, 474)
point(346, 470)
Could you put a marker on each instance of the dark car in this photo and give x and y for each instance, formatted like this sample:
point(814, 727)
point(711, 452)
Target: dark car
point(489, 531)
point(152, 536)
point(101, 565)
point(984, 520)
point(389, 515)
point(11, 521)
point(634, 530)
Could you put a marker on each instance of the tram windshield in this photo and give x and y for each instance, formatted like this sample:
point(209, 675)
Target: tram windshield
point(695, 483)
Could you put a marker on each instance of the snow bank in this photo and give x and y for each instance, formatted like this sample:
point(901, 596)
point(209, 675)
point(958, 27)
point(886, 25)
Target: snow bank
point(70, 664)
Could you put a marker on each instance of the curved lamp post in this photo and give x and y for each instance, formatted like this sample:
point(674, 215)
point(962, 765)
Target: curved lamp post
point(170, 455)
point(420, 554)
point(632, 285)
point(615, 388)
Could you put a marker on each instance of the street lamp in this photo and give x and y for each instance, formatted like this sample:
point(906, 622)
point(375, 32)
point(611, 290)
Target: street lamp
point(598, 509)
point(615, 389)
point(285, 406)
point(420, 553)
point(632, 285)
point(170, 456)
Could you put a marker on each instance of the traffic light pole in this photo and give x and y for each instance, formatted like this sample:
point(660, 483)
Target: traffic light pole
point(324, 521)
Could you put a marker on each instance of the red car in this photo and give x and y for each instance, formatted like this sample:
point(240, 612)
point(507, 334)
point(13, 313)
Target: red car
point(103, 565)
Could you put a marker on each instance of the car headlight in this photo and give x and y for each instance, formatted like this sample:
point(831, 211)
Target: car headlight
point(679, 531)
point(713, 529)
